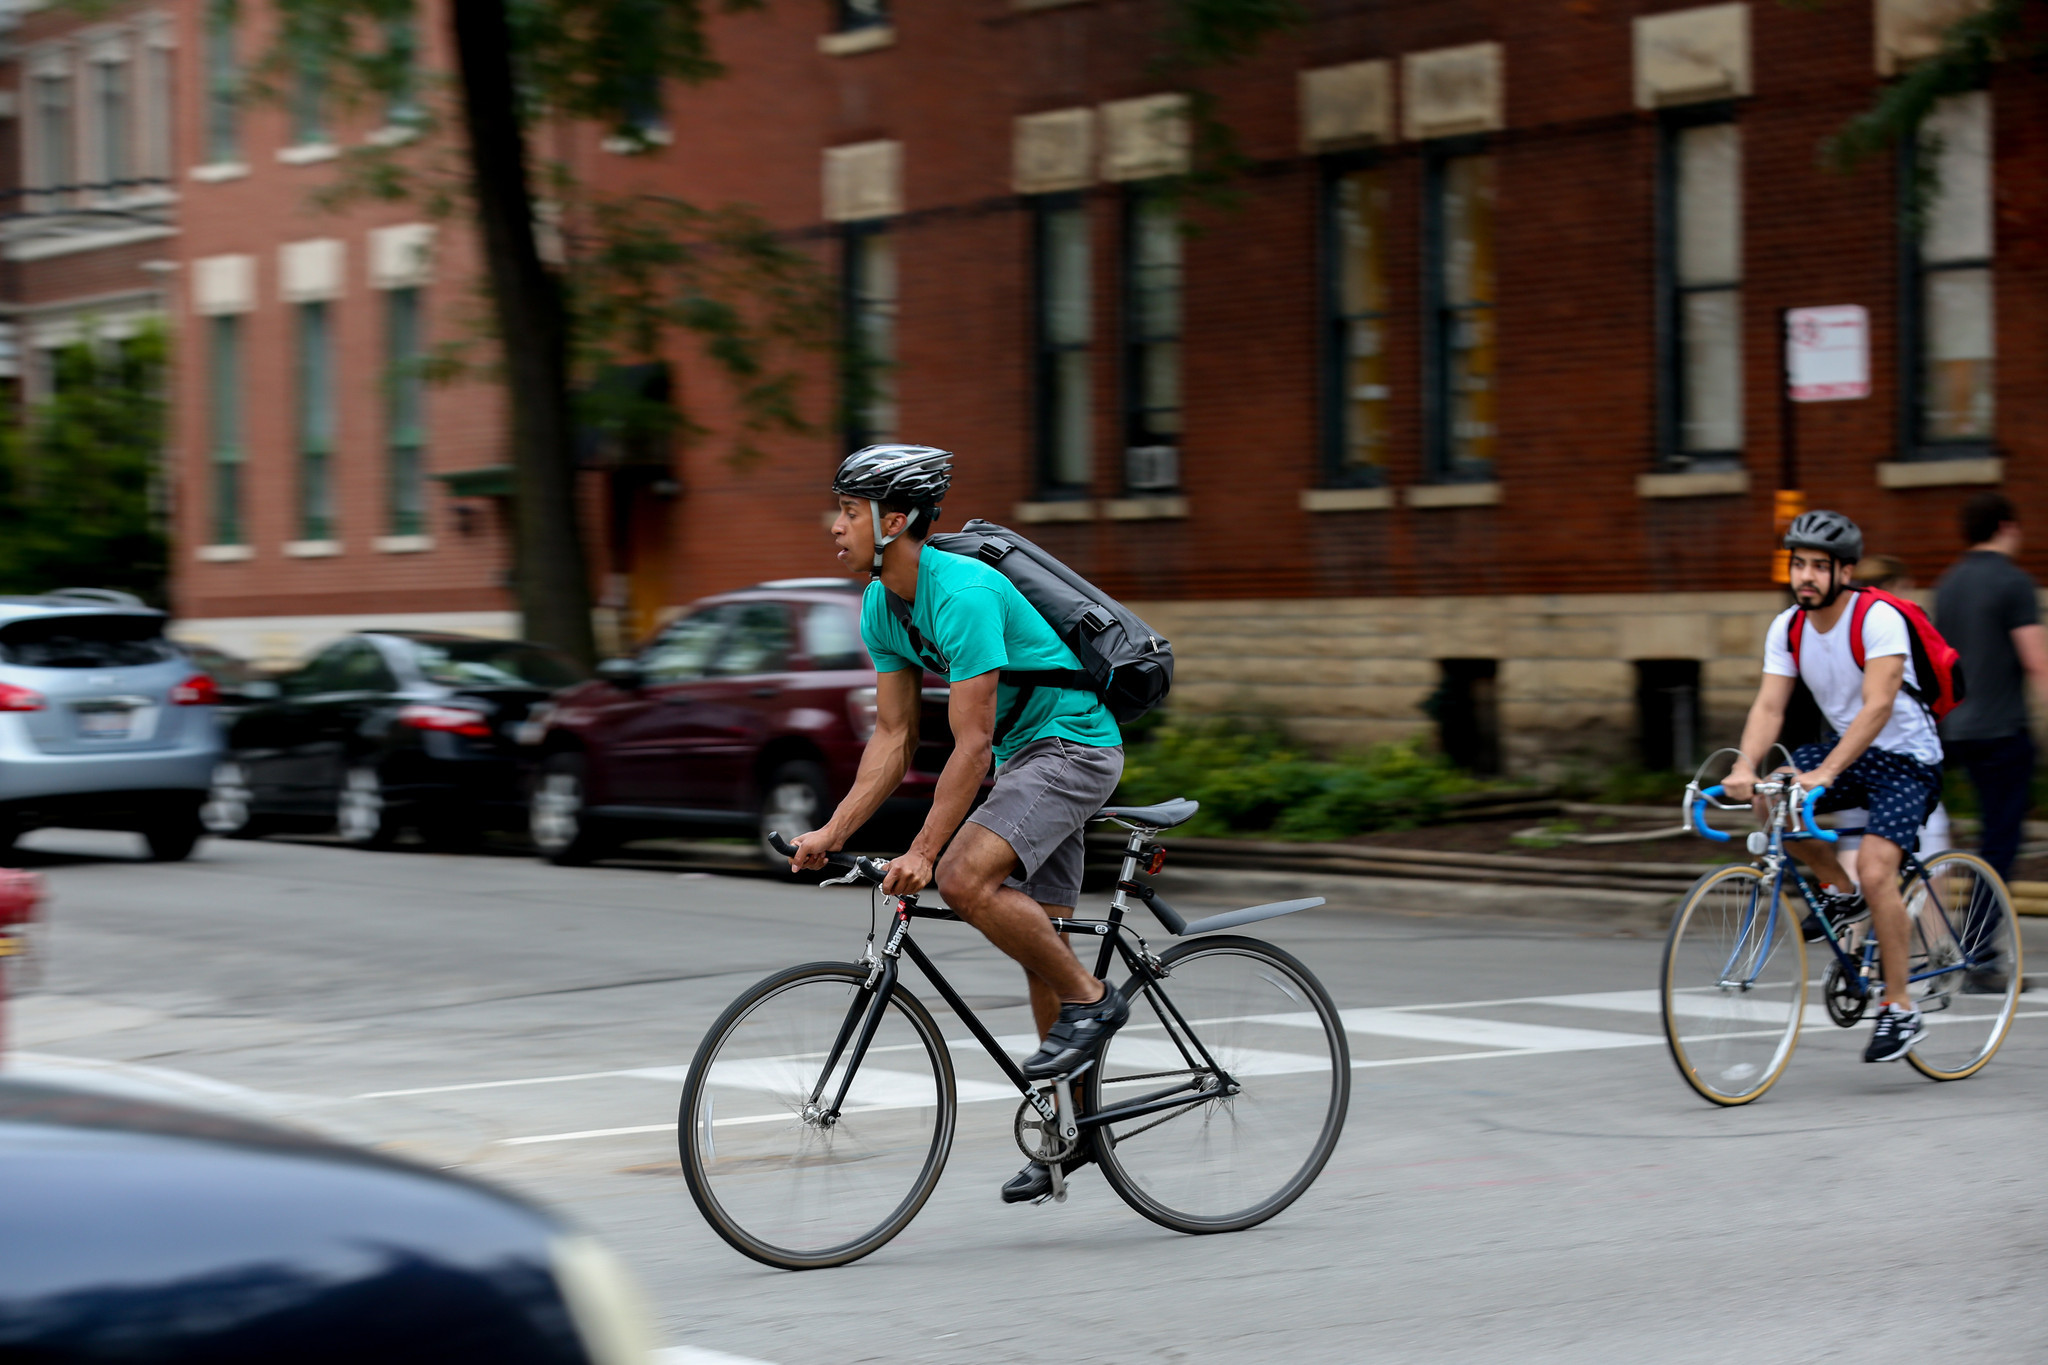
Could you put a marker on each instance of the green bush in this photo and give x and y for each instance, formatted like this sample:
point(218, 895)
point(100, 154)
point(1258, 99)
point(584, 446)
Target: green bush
point(1253, 780)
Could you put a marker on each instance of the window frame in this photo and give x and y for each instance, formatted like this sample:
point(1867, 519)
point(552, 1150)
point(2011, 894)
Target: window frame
point(848, 18)
point(1047, 352)
point(221, 127)
point(1333, 335)
point(405, 442)
point(1671, 455)
point(861, 390)
point(1913, 443)
point(1132, 344)
point(56, 138)
point(227, 453)
point(1436, 396)
point(314, 417)
point(114, 138)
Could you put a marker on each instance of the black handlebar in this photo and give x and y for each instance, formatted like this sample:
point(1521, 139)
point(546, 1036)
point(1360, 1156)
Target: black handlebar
point(866, 869)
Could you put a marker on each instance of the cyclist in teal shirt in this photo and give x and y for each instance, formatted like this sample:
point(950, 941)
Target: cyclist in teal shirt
point(1014, 863)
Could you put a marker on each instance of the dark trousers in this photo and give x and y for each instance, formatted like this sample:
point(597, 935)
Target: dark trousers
point(2002, 771)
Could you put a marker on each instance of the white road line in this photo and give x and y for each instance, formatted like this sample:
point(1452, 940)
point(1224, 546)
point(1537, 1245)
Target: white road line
point(699, 1355)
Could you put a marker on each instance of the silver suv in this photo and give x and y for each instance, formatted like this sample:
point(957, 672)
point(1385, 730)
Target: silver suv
point(104, 723)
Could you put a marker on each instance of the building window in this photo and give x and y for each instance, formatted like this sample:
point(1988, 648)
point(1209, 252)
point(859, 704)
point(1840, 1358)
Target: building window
point(316, 422)
point(402, 100)
point(157, 96)
point(1467, 707)
point(859, 14)
point(113, 113)
point(1950, 333)
point(1355, 423)
point(1668, 713)
point(53, 130)
point(224, 425)
point(870, 285)
point(223, 84)
point(1152, 315)
point(308, 100)
point(1065, 327)
point(405, 412)
point(1462, 355)
point(1700, 311)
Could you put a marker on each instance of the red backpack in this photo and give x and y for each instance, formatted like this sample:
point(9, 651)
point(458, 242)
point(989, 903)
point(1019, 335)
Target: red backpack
point(1935, 661)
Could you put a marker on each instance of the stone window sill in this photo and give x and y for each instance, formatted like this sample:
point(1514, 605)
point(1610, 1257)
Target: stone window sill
point(306, 153)
point(402, 545)
point(642, 142)
point(392, 135)
point(870, 39)
point(225, 554)
point(1940, 473)
point(1346, 499)
point(1693, 483)
point(1452, 495)
point(214, 172)
point(1170, 508)
point(1071, 509)
point(312, 549)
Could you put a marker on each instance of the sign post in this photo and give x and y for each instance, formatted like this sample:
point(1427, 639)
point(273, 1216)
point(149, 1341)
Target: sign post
point(1825, 356)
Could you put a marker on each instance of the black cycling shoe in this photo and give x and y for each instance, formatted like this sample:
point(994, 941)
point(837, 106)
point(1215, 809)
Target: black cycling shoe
point(1035, 1181)
point(1079, 1035)
point(1897, 1033)
point(1840, 907)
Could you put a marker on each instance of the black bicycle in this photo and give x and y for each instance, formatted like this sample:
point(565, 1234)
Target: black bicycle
point(819, 1112)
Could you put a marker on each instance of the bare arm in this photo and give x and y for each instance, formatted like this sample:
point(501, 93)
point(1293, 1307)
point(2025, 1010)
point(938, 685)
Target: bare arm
point(1882, 679)
point(2031, 644)
point(882, 766)
point(1759, 732)
point(972, 715)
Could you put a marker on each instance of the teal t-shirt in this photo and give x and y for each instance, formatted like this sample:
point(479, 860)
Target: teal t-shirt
point(974, 620)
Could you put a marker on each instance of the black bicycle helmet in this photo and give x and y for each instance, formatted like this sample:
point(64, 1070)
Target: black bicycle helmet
point(1829, 532)
point(914, 474)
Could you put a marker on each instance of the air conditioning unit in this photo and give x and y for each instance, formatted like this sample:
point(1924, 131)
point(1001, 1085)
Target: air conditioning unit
point(1152, 469)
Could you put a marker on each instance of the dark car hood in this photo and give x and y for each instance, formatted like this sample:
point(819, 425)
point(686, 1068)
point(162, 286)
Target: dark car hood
point(137, 1231)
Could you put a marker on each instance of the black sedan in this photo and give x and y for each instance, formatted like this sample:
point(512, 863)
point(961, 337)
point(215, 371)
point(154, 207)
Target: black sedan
point(133, 1231)
point(383, 731)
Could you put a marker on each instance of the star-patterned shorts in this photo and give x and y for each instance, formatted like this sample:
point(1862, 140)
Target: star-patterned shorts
point(1898, 789)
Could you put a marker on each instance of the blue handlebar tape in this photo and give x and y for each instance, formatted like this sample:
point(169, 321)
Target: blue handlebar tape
point(1826, 836)
point(1699, 817)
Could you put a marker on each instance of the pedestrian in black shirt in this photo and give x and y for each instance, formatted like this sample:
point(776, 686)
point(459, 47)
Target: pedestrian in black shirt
point(1987, 608)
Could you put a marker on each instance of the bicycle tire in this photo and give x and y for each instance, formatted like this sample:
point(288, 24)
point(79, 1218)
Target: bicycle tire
point(1966, 1027)
point(1730, 1042)
point(763, 1185)
point(1159, 1165)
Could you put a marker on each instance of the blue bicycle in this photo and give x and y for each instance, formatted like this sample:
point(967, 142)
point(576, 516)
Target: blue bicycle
point(1733, 988)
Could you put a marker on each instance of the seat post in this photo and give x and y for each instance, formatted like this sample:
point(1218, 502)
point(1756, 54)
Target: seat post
point(1133, 847)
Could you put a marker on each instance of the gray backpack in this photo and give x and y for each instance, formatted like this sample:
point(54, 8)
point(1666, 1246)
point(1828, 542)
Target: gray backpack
point(1123, 661)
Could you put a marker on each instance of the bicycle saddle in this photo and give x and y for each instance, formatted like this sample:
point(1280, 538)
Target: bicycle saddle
point(1165, 815)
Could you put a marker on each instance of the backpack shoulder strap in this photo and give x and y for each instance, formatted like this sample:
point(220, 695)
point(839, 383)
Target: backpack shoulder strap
point(900, 609)
point(1795, 628)
point(1864, 602)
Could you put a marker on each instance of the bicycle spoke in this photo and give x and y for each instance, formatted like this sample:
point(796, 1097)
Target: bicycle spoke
point(1733, 985)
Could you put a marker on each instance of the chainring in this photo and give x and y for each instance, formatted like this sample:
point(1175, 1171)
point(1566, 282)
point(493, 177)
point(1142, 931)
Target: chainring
point(1038, 1140)
point(1845, 1007)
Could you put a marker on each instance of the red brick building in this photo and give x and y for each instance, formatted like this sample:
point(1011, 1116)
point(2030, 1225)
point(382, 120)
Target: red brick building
point(1469, 385)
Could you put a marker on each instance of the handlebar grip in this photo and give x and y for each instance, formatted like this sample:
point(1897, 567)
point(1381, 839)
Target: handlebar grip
point(788, 850)
point(1699, 817)
point(1826, 836)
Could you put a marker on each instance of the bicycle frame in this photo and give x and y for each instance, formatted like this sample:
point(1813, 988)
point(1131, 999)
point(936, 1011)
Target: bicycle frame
point(1774, 861)
point(864, 1017)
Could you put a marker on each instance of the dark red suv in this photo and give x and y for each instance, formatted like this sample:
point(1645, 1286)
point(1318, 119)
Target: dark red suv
point(748, 713)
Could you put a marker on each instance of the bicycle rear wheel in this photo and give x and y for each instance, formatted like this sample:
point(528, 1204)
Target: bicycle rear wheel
point(1965, 936)
point(1233, 1153)
point(1733, 989)
point(771, 1175)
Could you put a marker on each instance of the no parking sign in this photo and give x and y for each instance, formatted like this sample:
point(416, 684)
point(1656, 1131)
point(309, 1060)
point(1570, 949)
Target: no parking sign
point(1827, 353)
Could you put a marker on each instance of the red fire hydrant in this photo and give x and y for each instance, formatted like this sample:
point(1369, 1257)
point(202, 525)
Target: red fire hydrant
point(20, 894)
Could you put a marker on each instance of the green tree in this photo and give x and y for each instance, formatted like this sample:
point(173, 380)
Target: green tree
point(1971, 48)
point(80, 479)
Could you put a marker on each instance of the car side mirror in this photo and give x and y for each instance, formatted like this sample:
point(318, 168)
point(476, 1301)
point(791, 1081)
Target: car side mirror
point(623, 674)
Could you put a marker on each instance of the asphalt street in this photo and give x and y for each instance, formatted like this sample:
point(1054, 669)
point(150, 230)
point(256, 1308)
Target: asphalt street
point(1522, 1177)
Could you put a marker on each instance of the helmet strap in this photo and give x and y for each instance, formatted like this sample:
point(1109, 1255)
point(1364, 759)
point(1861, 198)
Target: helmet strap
point(883, 542)
point(1837, 583)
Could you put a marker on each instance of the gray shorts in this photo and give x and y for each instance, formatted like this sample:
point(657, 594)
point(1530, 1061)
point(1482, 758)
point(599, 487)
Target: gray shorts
point(1040, 806)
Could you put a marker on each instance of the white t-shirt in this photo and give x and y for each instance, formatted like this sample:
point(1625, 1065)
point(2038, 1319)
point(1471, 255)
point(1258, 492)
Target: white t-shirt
point(1836, 682)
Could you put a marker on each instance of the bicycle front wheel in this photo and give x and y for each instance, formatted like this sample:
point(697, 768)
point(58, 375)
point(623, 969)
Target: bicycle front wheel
point(1733, 990)
point(1244, 1056)
point(1965, 961)
point(775, 1175)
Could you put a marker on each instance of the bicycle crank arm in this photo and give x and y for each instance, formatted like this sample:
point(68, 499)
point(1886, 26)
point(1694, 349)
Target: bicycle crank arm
point(1069, 1128)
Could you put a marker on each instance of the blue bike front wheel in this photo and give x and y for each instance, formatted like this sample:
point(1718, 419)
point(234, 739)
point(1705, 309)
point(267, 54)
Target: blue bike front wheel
point(1733, 986)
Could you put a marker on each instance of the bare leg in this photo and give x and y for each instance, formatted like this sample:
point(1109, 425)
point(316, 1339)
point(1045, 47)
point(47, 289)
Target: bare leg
point(971, 879)
point(1880, 860)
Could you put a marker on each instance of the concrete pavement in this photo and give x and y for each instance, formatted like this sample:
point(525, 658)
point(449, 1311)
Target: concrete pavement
point(1522, 1177)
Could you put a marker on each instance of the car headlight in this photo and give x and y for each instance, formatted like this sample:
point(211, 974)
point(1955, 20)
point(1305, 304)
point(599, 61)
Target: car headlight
point(606, 1305)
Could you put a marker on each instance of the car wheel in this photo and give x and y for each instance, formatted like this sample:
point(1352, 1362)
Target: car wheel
point(173, 836)
point(363, 816)
point(555, 816)
point(230, 808)
point(795, 802)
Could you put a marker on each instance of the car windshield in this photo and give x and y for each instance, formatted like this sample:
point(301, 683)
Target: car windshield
point(495, 663)
point(97, 641)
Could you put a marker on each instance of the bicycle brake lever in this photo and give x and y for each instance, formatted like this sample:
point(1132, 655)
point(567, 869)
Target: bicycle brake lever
point(852, 878)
